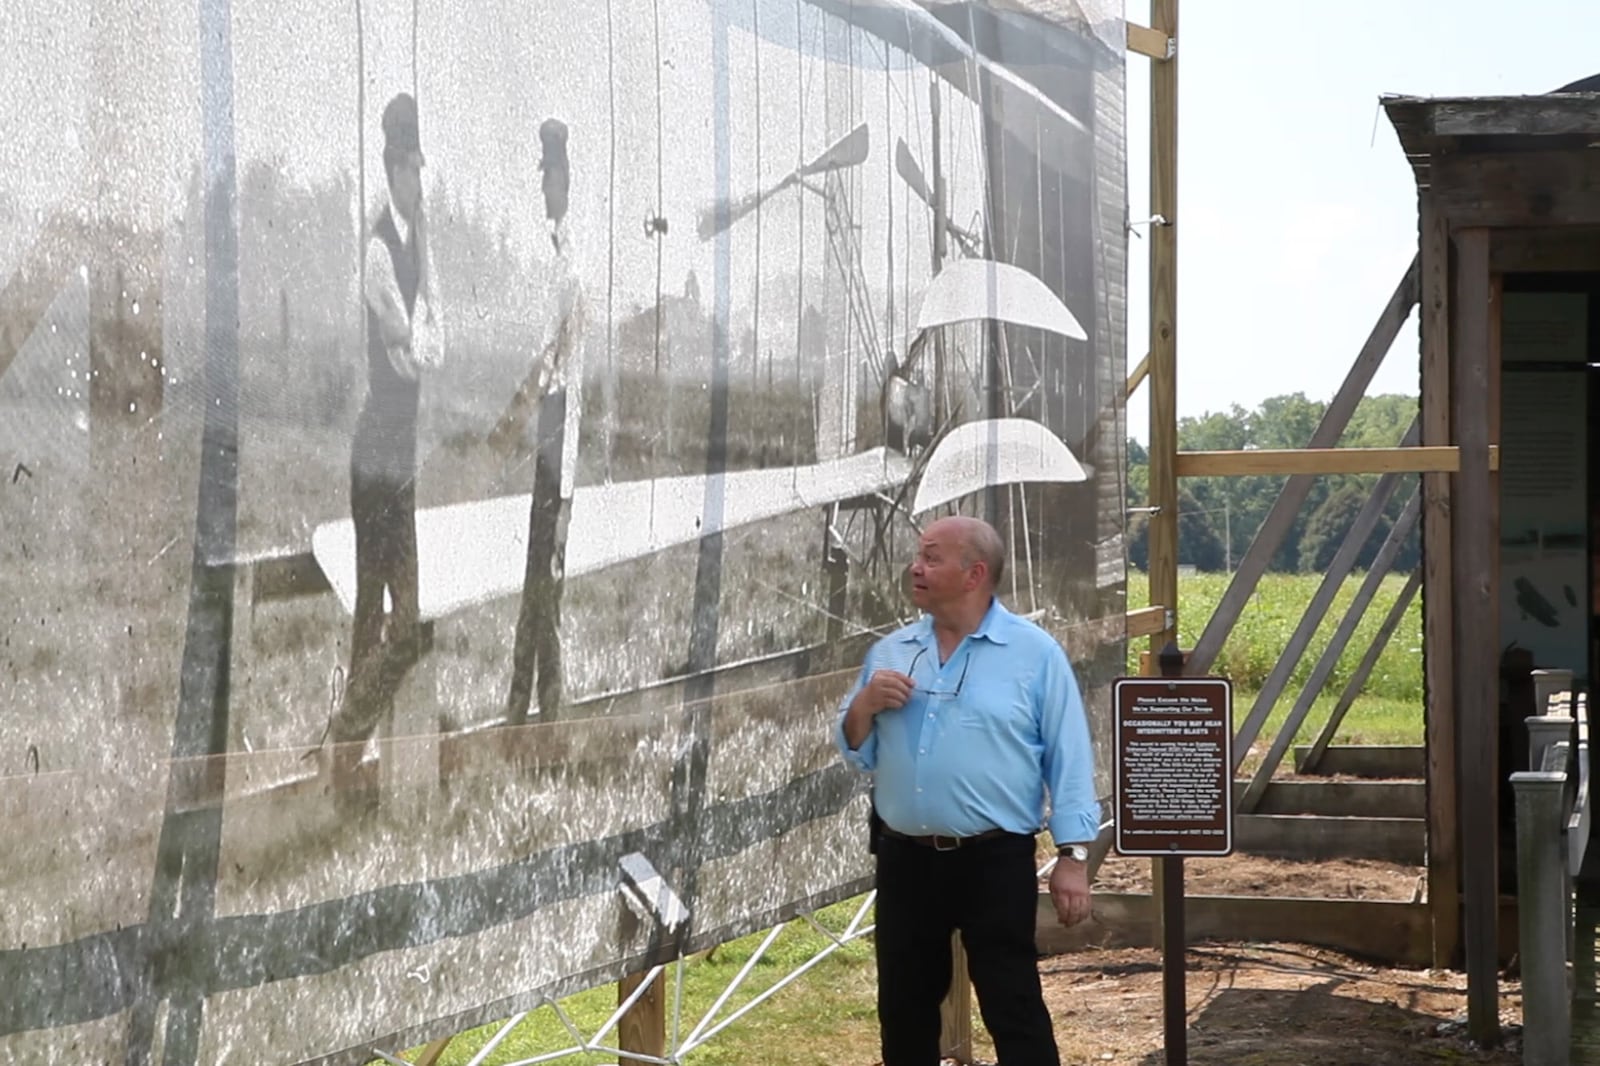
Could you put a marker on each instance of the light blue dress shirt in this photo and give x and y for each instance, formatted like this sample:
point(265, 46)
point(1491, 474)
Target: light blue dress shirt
point(983, 737)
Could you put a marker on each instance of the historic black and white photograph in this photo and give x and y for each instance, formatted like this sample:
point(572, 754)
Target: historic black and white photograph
point(448, 456)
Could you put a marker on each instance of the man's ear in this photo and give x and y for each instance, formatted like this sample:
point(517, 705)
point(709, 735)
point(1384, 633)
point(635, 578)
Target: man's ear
point(977, 574)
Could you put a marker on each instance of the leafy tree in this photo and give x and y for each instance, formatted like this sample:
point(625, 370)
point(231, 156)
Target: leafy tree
point(1221, 516)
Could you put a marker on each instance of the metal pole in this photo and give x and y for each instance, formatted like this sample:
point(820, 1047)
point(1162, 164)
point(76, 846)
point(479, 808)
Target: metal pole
point(1174, 991)
point(1541, 918)
point(1163, 529)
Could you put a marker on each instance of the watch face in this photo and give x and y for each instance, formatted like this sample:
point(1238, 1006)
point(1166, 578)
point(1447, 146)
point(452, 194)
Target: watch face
point(1076, 852)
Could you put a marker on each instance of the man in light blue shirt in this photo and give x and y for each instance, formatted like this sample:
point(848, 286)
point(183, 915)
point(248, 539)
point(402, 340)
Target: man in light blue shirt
point(967, 720)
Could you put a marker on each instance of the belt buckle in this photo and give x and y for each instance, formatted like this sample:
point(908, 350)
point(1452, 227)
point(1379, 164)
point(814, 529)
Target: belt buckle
point(955, 842)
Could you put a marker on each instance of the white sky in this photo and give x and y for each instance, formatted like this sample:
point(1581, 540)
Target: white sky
point(1297, 210)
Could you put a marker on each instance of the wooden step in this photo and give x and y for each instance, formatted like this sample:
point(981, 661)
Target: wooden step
point(1393, 931)
point(1308, 837)
point(1336, 799)
point(1391, 762)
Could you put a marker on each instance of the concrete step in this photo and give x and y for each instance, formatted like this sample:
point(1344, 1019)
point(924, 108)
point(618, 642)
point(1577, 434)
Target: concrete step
point(1308, 837)
point(1368, 760)
point(1342, 799)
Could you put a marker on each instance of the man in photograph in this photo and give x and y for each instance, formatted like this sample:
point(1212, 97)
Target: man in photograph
point(549, 399)
point(403, 340)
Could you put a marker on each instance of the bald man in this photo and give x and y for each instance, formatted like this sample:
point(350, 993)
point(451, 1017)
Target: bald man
point(968, 719)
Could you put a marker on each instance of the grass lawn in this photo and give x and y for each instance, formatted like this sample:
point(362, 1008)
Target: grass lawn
point(828, 1015)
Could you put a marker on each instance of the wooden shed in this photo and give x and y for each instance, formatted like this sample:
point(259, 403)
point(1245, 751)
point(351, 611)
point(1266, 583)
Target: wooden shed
point(1509, 287)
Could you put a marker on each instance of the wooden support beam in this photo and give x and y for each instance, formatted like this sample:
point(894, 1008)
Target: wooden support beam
point(1358, 679)
point(1331, 654)
point(1563, 249)
point(1163, 357)
point(430, 1055)
point(1444, 855)
point(1150, 43)
point(1377, 762)
point(1136, 378)
point(1475, 308)
point(1549, 115)
point(1260, 462)
point(1344, 560)
point(1306, 837)
point(1287, 507)
point(1394, 931)
point(1517, 188)
point(1344, 799)
point(1146, 621)
point(643, 1029)
point(1163, 528)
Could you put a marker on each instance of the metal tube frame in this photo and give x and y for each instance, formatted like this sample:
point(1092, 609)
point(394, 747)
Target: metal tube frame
point(703, 1030)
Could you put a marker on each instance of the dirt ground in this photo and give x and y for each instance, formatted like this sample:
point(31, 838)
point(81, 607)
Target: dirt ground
point(1255, 1004)
point(1258, 1004)
point(1249, 875)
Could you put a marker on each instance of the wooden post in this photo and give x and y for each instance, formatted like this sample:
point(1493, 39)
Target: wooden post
point(1476, 514)
point(955, 1013)
point(1163, 358)
point(430, 1055)
point(1444, 843)
point(1163, 529)
point(644, 1028)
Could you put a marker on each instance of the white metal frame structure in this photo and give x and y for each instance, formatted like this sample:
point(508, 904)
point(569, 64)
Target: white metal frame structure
point(679, 1044)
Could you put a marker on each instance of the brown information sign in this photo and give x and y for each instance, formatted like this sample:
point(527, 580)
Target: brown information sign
point(1174, 765)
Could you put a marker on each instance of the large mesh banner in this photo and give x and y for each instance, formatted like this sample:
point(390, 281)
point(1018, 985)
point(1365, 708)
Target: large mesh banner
point(455, 456)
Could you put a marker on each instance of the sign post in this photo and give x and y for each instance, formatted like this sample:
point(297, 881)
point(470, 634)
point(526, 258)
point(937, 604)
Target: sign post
point(1174, 798)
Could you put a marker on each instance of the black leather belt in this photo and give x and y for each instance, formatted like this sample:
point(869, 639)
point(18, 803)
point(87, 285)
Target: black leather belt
point(944, 843)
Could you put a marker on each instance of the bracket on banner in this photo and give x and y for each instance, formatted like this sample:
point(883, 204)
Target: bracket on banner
point(649, 894)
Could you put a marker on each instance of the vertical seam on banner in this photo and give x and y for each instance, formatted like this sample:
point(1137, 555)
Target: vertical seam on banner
point(179, 961)
point(689, 779)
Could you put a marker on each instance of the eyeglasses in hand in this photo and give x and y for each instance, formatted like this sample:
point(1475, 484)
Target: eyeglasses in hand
point(938, 693)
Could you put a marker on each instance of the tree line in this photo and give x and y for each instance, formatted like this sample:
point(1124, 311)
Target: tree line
point(1218, 517)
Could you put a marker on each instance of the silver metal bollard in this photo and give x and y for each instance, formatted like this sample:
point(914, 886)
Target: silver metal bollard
point(1547, 683)
point(1544, 732)
point(1541, 918)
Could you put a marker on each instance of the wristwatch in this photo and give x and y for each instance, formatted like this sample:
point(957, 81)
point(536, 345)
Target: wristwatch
point(1075, 852)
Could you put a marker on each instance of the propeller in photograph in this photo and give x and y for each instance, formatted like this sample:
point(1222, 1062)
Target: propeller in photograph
point(848, 151)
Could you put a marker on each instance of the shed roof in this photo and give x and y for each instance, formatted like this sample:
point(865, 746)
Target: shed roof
point(1430, 126)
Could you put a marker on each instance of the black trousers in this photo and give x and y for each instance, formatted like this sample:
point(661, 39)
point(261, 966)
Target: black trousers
point(536, 653)
point(989, 892)
point(383, 646)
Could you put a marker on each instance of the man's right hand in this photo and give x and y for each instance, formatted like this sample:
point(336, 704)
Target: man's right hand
point(885, 690)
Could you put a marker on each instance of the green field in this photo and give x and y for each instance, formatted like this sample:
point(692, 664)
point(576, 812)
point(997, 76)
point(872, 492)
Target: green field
point(828, 1015)
point(1388, 709)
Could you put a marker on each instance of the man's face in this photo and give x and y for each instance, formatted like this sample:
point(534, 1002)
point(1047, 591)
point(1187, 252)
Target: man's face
point(405, 185)
point(938, 577)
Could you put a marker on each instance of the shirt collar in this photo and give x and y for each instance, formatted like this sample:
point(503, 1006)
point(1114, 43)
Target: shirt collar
point(996, 624)
point(995, 627)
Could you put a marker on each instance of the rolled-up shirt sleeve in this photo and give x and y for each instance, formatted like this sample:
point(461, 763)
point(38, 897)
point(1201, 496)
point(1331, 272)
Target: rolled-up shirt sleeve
point(1068, 754)
point(864, 758)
